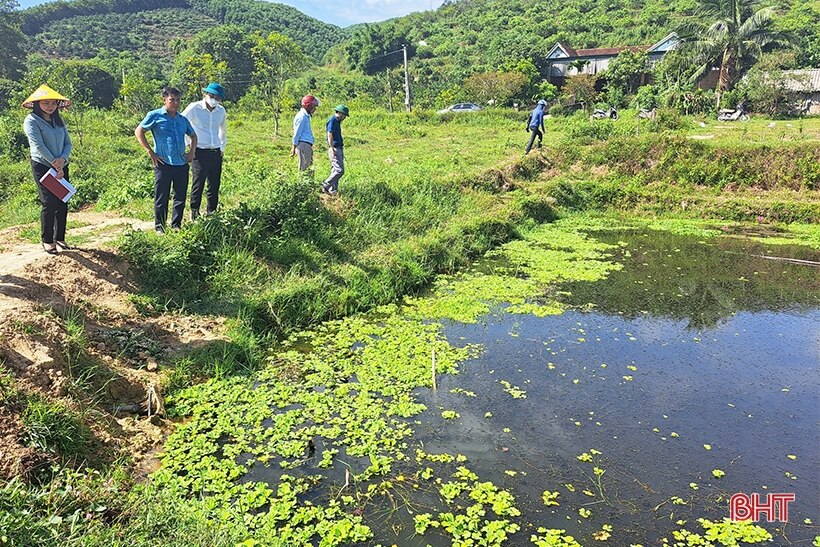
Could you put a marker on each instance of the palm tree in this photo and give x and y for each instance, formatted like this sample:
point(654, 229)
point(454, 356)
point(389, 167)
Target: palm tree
point(729, 33)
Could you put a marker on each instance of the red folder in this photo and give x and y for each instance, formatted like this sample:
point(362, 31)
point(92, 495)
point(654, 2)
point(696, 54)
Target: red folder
point(59, 187)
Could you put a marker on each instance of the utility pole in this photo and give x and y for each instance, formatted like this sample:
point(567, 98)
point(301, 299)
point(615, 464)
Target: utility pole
point(407, 103)
point(389, 90)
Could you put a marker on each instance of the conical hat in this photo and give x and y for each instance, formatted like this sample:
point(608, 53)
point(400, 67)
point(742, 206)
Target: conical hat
point(44, 93)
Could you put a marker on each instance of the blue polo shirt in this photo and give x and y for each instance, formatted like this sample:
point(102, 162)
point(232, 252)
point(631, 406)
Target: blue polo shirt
point(169, 135)
point(334, 127)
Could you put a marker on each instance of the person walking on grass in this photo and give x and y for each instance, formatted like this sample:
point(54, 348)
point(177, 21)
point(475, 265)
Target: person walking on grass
point(303, 134)
point(50, 147)
point(335, 149)
point(168, 156)
point(535, 125)
point(208, 120)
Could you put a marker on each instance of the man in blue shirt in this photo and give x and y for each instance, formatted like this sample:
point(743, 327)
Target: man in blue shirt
point(335, 149)
point(169, 158)
point(302, 133)
point(535, 124)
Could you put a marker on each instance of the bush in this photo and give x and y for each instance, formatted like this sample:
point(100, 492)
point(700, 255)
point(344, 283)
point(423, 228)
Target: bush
point(647, 97)
point(538, 208)
point(557, 110)
point(669, 119)
point(582, 127)
point(8, 89)
point(13, 141)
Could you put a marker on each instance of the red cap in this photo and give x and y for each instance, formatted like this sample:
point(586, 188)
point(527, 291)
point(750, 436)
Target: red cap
point(308, 100)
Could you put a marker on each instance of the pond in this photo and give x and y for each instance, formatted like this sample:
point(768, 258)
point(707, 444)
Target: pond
point(692, 345)
point(591, 382)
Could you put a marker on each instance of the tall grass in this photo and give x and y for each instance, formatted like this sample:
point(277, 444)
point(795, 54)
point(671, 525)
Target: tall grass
point(52, 427)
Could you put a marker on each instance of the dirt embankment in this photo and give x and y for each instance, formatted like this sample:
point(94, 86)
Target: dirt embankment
point(72, 334)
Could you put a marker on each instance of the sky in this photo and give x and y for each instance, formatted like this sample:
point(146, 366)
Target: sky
point(340, 12)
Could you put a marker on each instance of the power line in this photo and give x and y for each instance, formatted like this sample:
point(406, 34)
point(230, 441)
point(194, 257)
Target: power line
point(380, 62)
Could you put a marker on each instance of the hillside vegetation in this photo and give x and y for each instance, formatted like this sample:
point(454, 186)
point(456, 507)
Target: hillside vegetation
point(467, 36)
point(84, 29)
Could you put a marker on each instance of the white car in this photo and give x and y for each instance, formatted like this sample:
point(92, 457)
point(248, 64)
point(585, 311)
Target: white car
point(460, 107)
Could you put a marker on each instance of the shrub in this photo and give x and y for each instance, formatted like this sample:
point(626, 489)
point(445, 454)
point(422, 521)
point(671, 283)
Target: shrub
point(538, 208)
point(669, 119)
point(647, 97)
point(557, 110)
point(13, 141)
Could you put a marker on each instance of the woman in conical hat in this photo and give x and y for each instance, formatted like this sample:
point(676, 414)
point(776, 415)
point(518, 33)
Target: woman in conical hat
point(50, 147)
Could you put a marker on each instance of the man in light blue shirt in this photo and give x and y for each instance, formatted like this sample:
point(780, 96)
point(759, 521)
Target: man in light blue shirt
point(303, 134)
point(169, 158)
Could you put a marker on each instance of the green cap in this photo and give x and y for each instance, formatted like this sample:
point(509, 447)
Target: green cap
point(343, 109)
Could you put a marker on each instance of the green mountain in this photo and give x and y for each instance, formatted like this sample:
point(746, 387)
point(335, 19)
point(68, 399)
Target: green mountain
point(82, 28)
point(467, 36)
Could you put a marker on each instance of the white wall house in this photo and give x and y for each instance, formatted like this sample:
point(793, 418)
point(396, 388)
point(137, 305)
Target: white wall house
point(593, 61)
point(805, 84)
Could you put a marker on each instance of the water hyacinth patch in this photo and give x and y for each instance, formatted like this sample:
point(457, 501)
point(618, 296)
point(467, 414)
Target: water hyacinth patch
point(347, 387)
point(521, 272)
point(320, 443)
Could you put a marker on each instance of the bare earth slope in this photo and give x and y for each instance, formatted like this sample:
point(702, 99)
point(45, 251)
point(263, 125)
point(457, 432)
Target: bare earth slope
point(70, 332)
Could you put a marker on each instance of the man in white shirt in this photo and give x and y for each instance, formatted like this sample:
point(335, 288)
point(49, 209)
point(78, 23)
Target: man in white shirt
point(208, 120)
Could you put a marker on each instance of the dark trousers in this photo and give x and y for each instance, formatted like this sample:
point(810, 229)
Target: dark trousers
point(536, 132)
point(207, 166)
point(166, 176)
point(54, 212)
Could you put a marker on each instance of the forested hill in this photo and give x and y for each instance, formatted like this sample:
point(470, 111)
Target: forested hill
point(465, 36)
point(82, 28)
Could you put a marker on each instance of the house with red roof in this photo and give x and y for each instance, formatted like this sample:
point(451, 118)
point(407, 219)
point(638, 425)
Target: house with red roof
point(565, 61)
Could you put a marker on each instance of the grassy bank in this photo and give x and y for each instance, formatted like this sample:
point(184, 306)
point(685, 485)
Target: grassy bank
point(423, 195)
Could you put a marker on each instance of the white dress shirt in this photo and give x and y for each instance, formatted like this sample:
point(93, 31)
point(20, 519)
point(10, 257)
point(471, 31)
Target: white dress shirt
point(209, 125)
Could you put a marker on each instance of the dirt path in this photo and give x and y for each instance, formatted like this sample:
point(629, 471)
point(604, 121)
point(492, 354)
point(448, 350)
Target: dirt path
point(71, 334)
point(100, 228)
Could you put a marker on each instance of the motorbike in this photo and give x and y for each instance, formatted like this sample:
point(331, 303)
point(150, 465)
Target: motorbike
point(733, 114)
point(600, 113)
point(646, 114)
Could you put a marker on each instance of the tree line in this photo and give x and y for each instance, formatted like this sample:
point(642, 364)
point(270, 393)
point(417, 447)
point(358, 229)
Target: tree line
point(487, 51)
point(81, 28)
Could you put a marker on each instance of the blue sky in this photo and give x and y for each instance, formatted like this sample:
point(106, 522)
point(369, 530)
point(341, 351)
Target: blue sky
point(340, 12)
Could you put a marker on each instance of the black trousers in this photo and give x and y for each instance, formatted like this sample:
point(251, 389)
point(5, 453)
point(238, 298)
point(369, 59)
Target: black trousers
point(166, 176)
point(54, 212)
point(536, 132)
point(207, 166)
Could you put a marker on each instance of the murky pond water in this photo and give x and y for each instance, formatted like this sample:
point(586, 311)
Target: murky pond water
point(692, 345)
point(622, 408)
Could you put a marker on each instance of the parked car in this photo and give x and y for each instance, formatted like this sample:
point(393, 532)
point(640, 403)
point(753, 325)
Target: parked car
point(460, 107)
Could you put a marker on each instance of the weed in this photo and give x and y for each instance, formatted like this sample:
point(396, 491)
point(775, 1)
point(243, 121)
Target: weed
point(52, 427)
